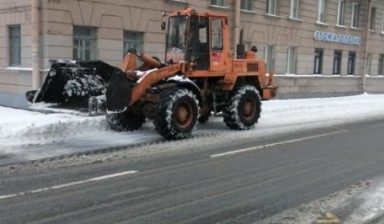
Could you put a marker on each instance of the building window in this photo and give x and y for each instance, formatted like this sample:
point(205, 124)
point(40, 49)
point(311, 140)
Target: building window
point(84, 43)
point(337, 62)
point(321, 11)
point(217, 2)
point(381, 65)
point(340, 13)
point(351, 63)
point(318, 66)
point(355, 15)
point(372, 25)
point(246, 4)
point(269, 57)
point(14, 45)
point(272, 7)
point(133, 40)
point(291, 60)
point(294, 12)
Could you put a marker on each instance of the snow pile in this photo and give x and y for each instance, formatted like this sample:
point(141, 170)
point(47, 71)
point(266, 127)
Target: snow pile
point(28, 135)
point(20, 123)
point(371, 204)
point(322, 111)
point(86, 85)
point(360, 203)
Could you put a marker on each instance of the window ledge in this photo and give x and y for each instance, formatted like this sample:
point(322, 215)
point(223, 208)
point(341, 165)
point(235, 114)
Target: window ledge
point(181, 2)
point(295, 19)
point(321, 23)
point(374, 76)
point(382, 32)
point(219, 7)
point(16, 68)
point(248, 11)
point(274, 16)
point(341, 26)
point(354, 28)
point(372, 31)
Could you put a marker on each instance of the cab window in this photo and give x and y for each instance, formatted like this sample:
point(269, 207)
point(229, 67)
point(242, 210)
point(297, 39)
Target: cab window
point(217, 34)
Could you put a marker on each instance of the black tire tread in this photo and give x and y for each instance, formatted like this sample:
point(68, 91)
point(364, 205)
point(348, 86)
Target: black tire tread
point(231, 111)
point(163, 123)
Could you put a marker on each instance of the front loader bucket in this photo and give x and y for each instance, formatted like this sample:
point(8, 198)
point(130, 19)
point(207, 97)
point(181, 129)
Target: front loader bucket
point(70, 84)
point(119, 91)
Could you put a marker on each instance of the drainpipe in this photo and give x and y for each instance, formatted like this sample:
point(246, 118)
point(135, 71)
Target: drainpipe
point(365, 65)
point(35, 20)
point(236, 27)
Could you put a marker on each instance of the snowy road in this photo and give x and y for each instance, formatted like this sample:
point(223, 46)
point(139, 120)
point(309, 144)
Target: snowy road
point(299, 151)
point(243, 181)
point(26, 135)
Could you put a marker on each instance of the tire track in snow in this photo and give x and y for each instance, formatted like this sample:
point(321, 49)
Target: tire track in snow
point(72, 139)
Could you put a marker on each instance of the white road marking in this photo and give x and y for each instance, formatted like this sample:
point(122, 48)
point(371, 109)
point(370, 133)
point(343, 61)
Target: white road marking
point(275, 144)
point(68, 184)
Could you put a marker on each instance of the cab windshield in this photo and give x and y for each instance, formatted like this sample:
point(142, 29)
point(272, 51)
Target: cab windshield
point(176, 41)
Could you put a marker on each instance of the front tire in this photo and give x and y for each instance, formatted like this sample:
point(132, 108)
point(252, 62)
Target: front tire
point(125, 121)
point(176, 114)
point(243, 108)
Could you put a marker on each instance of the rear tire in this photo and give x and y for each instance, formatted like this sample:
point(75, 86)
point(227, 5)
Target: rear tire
point(125, 121)
point(243, 108)
point(176, 114)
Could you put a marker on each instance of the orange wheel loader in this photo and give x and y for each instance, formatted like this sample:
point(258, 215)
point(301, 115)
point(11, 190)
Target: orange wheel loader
point(199, 78)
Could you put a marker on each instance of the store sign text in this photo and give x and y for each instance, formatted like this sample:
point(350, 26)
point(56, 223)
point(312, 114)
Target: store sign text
point(338, 38)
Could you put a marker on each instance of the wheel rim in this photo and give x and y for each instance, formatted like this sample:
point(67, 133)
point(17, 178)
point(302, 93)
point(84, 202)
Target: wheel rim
point(249, 108)
point(184, 115)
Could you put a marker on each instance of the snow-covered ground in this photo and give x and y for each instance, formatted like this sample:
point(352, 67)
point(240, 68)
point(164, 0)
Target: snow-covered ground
point(28, 135)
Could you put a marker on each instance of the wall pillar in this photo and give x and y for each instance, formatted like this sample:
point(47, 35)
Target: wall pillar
point(366, 62)
point(35, 11)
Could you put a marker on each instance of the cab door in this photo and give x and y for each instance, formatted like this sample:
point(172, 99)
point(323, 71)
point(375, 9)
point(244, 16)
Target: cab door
point(198, 43)
point(217, 57)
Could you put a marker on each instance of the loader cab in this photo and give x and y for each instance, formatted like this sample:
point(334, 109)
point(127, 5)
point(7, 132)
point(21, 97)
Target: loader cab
point(188, 40)
point(199, 40)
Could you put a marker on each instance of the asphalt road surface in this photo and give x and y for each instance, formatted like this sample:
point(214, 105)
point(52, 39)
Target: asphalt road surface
point(227, 182)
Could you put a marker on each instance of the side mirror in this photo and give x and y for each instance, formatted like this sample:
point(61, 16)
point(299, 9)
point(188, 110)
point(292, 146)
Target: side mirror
point(163, 25)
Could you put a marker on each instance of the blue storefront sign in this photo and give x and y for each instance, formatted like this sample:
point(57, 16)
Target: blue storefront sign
point(338, 38)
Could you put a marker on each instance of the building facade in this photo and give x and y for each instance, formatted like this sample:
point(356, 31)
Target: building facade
point(314, 47)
